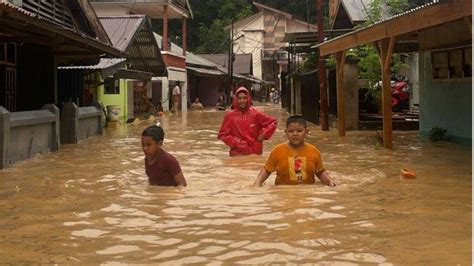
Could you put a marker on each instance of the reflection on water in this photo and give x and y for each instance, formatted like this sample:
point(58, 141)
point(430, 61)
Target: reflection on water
point(91, 203)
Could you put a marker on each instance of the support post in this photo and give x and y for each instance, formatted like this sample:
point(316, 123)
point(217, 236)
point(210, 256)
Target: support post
point(341, 112)
point(323, 94)
point(184, 36)
point(385, 48)
point(165, 28)
point(4, 136)
point(56, 128)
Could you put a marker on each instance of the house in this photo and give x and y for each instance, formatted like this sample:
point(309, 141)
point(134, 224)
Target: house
point(444, 45)
point(347, 14)
point(123, 82)
point(32, 54)
point(242, 70)
point(261, 35)
point(206, 79)
point(63, 33)
point(165, 10)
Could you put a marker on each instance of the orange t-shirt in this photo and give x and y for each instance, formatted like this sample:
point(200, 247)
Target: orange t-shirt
point(294, 166)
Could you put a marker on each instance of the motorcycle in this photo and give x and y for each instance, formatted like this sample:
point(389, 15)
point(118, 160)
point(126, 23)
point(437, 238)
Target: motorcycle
point(400, 95)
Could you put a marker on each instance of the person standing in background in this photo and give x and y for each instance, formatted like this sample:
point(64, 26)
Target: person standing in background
point(176, 94)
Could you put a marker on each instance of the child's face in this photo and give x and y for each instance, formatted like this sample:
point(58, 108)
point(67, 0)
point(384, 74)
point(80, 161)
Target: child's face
point(150, 147)
point(296, 132)
point(242, 99)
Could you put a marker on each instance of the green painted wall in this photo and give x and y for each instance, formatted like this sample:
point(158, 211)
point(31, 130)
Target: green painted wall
point(445, 103)
point(115, 99)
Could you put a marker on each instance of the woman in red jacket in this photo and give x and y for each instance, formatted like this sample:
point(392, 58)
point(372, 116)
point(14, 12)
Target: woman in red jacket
point(244, 128)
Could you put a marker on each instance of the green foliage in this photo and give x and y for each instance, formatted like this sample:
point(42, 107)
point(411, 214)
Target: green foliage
point(438, 134)
point(398, 6)
point(369, 63)
point(210, 18)
point(205, 32)
point(310, 62)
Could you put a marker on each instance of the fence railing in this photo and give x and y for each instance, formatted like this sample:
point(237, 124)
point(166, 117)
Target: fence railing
point(25, 134)
point(78, 123)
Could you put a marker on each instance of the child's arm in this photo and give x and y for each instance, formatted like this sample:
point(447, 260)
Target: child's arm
point(262, 176)
point(324, 177)
point(179, 178)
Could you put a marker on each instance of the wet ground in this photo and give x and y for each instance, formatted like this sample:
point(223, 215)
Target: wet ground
point(90, 203)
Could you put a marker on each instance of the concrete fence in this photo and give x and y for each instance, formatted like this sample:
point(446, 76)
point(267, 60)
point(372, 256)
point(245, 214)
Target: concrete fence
point(78, 123)
point(25, 134)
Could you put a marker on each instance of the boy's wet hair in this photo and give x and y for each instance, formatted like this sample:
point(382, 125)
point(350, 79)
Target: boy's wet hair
point(156, 132)
point(299, 119)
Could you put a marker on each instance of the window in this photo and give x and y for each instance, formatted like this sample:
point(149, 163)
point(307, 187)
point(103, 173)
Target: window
point(111, 86)
point(449, 64)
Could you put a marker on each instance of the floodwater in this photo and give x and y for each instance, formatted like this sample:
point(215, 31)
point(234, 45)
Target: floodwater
point(90, 203)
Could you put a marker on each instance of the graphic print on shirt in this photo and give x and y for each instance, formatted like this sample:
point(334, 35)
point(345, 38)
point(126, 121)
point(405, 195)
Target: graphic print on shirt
point(297, 168)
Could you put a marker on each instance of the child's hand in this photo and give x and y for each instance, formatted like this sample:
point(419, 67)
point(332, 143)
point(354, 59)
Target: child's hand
point(332, 183)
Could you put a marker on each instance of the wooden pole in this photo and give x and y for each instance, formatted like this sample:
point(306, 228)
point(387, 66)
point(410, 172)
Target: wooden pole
point(165, 28)
point(323, 94)
point(341, 110)
point(184, 36)
point(386, 49)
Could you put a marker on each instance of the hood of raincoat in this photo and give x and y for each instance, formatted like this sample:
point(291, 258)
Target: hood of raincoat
point(235, 102)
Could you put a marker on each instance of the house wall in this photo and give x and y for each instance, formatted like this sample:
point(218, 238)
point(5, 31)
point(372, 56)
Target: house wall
point(445, 103)
point(208, 89)
point(251, 43)
point(294, 26)
point(413, 78)
point(177, 75)
point(116, 99)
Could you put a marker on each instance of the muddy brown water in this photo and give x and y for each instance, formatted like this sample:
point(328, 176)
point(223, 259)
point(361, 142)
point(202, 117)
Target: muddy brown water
point(90, 203)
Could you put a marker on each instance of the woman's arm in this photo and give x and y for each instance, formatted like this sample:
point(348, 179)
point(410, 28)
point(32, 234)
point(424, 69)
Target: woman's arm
point(268, 124)
point(262, 176)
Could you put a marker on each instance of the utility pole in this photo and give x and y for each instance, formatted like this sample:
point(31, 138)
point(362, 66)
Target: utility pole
point(230, 63)
point(323, 95)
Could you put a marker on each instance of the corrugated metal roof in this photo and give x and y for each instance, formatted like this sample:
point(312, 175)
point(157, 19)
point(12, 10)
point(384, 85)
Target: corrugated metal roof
point(433, 2)
point(122, 29)
point(206, 71)
point(132, 33)
point(242, 63)
point(357, 9)
point(103, 64)
point(94, 42)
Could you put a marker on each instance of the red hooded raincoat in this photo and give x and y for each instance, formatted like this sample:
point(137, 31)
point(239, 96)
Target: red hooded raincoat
point(241, 127)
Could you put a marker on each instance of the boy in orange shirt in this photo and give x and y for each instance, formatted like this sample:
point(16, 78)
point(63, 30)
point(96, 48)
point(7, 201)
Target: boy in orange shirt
point(295, 161)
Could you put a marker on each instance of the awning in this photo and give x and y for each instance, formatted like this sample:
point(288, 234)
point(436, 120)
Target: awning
point(107, 66)
point(133, 74)
point(133, 34)
point(415, 30)
point(198, 71)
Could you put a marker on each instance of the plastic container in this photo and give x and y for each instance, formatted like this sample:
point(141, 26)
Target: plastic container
point(113, 112)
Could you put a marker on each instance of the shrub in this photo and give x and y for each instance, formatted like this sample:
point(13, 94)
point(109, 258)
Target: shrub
point(438, 134)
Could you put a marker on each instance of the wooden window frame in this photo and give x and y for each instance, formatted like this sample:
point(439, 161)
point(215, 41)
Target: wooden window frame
point(116, 86)
point(451, 63)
